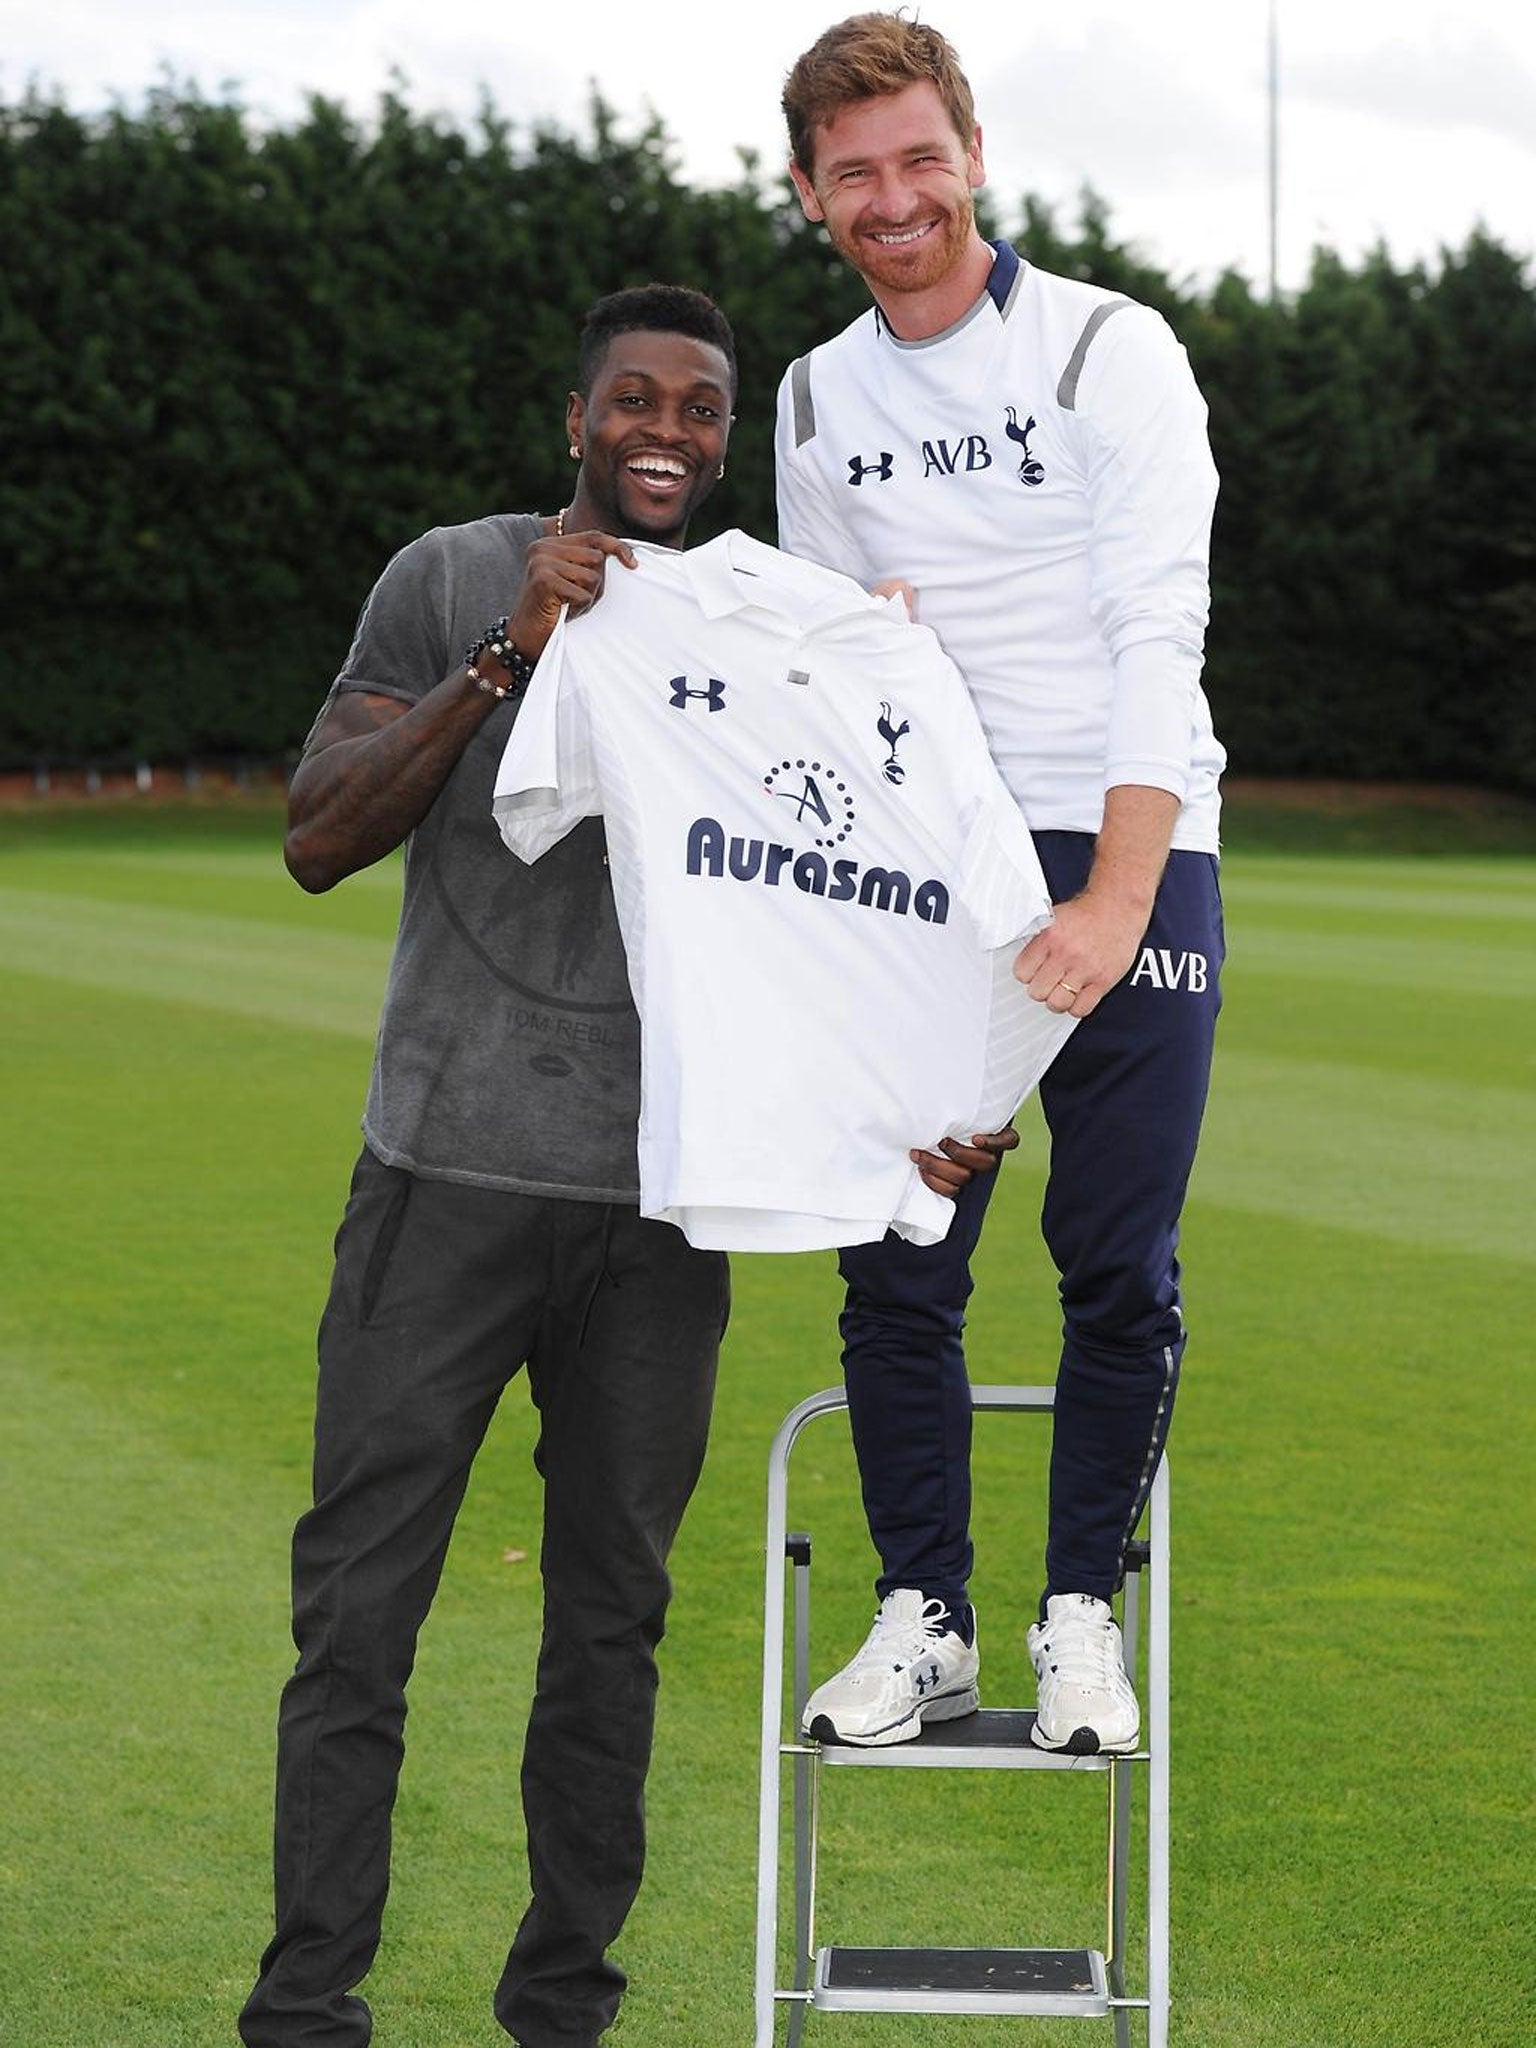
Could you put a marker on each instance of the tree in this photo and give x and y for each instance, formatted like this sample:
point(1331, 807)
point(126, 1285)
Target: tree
point(240, 367)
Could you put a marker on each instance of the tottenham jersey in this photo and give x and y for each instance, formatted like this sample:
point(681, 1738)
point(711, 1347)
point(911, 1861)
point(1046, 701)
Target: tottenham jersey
point(821, 883)
point(1039, 472)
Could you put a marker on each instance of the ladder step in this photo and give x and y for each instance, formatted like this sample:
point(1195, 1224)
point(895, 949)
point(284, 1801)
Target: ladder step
point(1050, 1982)
point(997, 1738)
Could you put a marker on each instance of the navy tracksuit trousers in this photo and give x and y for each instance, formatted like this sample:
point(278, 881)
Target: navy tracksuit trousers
point(1122, 1102)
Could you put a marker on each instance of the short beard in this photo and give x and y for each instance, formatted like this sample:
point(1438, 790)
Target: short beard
point(893, 272)
point(664, 526)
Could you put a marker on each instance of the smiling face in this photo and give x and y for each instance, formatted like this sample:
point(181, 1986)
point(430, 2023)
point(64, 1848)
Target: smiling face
point(652, 431)
point(892, 182)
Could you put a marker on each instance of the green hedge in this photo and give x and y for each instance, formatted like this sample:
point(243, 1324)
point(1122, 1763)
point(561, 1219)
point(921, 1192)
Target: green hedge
point(241, 366)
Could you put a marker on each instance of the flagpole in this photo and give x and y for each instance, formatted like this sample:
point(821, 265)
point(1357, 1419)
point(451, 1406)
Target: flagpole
point(1274, 152)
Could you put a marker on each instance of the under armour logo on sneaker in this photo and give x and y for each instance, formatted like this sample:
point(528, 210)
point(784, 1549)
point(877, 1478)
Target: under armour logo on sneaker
point(713, 694)
point(910, 1670)
point(859, 469)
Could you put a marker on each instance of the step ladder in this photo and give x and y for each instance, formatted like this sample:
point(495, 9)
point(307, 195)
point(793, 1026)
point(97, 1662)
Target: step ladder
point(1032, 1982)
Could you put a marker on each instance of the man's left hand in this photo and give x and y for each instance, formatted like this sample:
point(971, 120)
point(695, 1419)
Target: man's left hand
point(1078, 959)
point(948, 1167)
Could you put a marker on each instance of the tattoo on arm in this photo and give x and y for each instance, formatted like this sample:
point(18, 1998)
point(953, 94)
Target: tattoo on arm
point(372, 772)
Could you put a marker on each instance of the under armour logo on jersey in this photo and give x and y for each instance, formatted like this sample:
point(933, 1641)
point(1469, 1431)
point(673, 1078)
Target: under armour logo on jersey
point(1160, 968)
point(858, 469)
point(891, 769)
point(713, 693)
point(1030, 471)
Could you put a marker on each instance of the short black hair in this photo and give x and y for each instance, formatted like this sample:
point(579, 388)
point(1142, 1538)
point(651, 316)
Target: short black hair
point(651, 309)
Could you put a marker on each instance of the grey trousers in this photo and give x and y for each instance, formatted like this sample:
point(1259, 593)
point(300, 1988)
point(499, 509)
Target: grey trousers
point(440, 1293)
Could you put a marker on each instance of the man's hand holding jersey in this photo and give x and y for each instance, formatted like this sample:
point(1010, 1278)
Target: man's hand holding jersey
point(948, 1167)
point(566, 568)
point(1094, 938)
point(1079, 957)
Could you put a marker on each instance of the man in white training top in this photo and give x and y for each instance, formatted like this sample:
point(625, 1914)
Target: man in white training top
point(1026, 456)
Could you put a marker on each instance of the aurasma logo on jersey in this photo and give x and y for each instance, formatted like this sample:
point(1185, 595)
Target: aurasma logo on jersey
point(823, 806)
point(941, 455)
point(720, 856)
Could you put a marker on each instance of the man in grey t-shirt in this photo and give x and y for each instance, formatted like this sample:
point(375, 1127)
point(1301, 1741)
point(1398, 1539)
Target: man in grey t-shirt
point(493, 1223)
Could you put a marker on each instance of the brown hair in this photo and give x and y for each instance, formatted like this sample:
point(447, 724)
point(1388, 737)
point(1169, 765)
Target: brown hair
point(870, 56)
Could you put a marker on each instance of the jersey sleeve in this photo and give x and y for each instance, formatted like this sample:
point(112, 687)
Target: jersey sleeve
point(1005, 895)
point(546, 782)
point(808, 525)
point(1152, 492)
point(1002, 884)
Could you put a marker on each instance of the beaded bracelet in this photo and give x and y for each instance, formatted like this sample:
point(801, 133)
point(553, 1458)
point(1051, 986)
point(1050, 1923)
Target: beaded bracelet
point(495, 643)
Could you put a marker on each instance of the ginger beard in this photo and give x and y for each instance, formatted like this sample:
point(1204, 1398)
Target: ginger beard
point(905, 256)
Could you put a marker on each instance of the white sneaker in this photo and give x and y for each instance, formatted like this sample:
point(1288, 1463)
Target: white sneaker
point(910, 1670)
point(1087, 1705)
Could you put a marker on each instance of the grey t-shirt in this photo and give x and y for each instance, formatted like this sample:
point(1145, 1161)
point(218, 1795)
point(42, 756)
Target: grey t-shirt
point(509, 1051)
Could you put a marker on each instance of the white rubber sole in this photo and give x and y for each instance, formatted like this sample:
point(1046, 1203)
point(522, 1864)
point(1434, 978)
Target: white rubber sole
point(947, 1707)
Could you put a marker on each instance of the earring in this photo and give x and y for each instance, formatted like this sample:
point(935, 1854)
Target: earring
point(575, 453)
point(720, 472)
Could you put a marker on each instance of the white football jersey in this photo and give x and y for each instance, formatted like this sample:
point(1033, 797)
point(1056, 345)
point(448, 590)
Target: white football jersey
point(821, 880)
point(1040, 473)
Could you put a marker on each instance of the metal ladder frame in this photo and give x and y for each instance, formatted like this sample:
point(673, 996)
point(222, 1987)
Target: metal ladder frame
point(1151, 1557)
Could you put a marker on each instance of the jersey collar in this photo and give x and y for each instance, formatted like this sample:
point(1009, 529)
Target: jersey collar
point(734, 571)
point(1001, 290)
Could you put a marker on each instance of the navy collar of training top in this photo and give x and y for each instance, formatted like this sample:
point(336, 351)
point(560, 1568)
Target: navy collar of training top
point(1006, 265)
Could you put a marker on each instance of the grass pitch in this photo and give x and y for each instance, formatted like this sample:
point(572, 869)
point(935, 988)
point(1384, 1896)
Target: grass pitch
point(184, 1040)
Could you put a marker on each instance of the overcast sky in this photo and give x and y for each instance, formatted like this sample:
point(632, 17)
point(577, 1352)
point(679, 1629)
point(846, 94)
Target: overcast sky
point(1403, 120)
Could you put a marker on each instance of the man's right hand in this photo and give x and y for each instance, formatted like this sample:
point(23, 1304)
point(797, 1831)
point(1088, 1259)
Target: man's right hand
point(563, 569)
point(375, 765)
point(949, 1165)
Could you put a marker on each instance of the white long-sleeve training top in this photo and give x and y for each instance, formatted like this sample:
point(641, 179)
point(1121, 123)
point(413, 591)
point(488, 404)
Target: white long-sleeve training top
point(1040, 473)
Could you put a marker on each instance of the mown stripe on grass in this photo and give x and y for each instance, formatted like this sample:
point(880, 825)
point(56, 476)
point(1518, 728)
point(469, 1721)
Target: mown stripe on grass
point(1403, 889)
point(181, 856)
point(1351, 1148)
point(1387, 962)
point(145, 1612)
point(320, 981)
point(91, 870)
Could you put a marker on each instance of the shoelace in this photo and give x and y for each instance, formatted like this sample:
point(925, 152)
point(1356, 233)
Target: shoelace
point(902, 1640)
point(1085, 1653)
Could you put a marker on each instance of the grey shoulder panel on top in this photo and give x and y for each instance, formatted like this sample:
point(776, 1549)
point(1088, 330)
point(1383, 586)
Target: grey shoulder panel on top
point(804, 404)
point(1066, 390)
